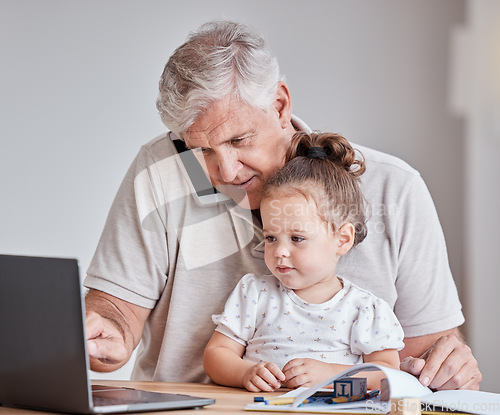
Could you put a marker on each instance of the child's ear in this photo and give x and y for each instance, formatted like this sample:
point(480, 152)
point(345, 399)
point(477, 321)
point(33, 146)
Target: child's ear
point(345, 238)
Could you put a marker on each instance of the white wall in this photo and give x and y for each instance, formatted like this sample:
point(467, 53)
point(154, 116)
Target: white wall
point(482, 111)
point(78, 82)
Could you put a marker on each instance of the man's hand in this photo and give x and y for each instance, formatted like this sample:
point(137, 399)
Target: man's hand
point(264, 376)
point(113, 328)
point(105, 342)
point(307, 372)
point(447, 364)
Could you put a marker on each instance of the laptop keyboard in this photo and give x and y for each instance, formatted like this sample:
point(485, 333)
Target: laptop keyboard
point(106, 396)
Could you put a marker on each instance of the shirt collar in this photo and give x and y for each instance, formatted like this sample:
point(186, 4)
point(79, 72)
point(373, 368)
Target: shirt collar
point(300, 125)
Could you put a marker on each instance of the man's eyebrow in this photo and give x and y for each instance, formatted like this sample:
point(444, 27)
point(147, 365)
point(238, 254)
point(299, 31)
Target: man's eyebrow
point(250, 133)
point(191, 147)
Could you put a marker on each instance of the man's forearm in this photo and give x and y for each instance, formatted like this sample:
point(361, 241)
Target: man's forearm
point(416, 346)
point(101, 304)
point(114, 329)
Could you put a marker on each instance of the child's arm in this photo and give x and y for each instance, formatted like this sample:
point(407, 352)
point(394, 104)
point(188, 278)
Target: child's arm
point(308, 372)
point(223, 363)
point(388, 358)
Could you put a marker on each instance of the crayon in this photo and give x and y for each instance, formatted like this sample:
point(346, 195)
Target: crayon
point(280, 401)
point(344, 399)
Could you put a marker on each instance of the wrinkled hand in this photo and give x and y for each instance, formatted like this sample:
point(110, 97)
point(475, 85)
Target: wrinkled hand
point(105, 342)
point(305, 372)
point(448, 364)
point(264, 376)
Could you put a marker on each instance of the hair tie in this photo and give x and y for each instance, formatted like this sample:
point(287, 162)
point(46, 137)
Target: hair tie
point(316, 153)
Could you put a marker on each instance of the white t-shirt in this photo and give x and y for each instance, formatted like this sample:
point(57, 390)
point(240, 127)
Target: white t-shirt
point(275, 325)
point(162, 250)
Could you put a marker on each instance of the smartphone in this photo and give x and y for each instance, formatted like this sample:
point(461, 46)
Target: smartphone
point(205, 192)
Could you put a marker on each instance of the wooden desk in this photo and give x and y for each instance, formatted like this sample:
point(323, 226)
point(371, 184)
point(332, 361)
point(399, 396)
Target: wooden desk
point(227, 400)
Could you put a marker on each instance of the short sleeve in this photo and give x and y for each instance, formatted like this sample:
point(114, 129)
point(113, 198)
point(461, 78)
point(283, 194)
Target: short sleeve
point(130, 261)
point(427, 296)
point(404, 258)
point(238, 319)
point(376, 328)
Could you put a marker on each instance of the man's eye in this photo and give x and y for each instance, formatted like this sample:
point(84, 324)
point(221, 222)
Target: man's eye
point(237, 141)
point(297, 238)
point(270, 238)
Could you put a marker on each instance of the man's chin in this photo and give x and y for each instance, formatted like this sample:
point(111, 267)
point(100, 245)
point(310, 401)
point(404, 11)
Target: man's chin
point(239, 195)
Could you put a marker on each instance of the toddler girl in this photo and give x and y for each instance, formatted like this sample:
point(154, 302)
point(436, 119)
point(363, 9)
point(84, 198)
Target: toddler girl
point(304, 323)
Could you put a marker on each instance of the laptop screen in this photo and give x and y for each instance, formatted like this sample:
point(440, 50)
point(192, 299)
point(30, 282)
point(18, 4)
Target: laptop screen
point(43, 357)
point(42, 352)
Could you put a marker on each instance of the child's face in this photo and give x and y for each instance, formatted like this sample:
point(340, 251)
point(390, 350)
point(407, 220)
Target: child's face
point(301, 250)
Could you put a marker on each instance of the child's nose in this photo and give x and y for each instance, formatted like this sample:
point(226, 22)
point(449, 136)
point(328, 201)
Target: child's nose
point(282, 250)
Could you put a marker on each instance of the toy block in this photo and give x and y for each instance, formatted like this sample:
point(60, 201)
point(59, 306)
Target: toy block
point(348, 387)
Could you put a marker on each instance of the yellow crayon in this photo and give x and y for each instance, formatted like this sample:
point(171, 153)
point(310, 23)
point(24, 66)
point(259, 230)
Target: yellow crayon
point(280, 401)
point(343, 399)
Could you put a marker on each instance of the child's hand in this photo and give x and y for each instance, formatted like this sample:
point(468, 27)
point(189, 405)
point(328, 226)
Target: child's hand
point(264, 376)
point(306, 372)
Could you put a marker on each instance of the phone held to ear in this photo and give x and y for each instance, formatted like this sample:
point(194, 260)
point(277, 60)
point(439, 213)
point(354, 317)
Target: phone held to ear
point(204, 192)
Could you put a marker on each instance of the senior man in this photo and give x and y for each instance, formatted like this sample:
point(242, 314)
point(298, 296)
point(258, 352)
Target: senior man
point(167, 260)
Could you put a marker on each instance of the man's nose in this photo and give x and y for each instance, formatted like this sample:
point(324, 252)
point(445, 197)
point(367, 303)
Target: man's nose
point(229, 166)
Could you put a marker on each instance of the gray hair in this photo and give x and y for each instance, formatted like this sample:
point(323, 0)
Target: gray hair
point(221, 59)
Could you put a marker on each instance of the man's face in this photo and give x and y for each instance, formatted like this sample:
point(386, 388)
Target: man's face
point(242, 147)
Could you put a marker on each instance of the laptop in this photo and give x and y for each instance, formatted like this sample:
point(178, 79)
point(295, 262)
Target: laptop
point(43, 356)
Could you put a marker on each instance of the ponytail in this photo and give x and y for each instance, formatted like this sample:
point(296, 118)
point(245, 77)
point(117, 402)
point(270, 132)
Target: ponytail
point(324, 167)
point(334, 147)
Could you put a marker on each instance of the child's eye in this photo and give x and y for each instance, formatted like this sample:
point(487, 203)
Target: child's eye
point(297, 238)
point(270, 238)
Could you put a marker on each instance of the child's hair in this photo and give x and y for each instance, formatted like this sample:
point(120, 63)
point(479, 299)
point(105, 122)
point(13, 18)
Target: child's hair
point(323, 168)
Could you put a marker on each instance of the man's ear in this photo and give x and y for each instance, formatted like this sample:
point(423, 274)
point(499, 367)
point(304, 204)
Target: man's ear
point(345, 236)
point(283, 104)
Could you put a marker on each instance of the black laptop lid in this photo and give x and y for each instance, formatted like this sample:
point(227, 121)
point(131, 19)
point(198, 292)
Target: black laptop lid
point(41, 330)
